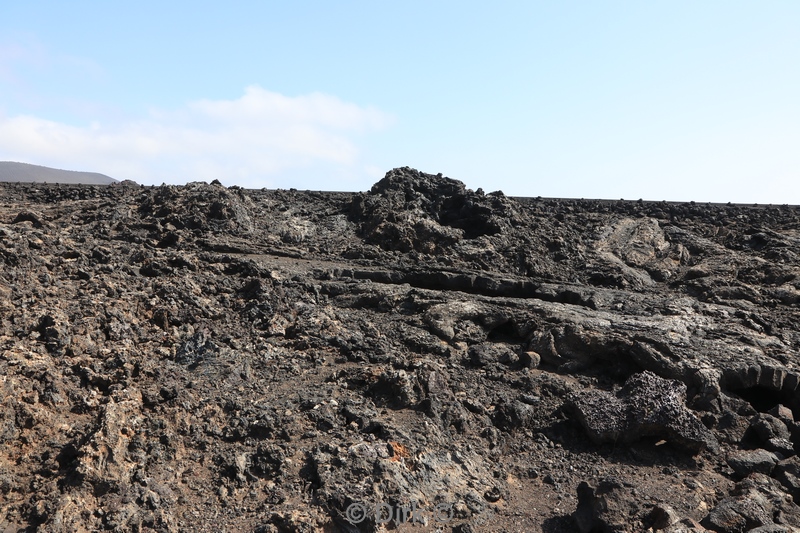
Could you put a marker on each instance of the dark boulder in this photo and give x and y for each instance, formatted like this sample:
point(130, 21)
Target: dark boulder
point(646, 406)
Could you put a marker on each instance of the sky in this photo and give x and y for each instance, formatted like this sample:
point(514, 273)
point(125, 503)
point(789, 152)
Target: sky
point(661, 100)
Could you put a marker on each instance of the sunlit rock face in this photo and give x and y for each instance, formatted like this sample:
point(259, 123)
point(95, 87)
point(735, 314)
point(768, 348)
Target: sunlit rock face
point(202, 358)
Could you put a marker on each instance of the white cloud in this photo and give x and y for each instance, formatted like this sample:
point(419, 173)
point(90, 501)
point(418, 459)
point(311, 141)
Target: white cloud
point(251, 141)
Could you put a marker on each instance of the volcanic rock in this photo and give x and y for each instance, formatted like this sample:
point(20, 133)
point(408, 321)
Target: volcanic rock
point(646, 406)
point(203, 358)
point(747, 462)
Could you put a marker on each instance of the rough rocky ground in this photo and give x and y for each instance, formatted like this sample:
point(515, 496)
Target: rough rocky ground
point(199, 358)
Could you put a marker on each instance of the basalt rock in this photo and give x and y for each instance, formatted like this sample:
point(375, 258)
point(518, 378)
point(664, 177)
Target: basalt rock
point(646, 406)
point(202, 358)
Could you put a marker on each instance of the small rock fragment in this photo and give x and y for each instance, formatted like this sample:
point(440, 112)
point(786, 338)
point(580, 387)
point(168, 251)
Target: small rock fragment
point(785, 447)
point(767, 427)
point(787, 472)
point(608, 507)
point(734, 515)
point(745, 463)
point(782, 412)
point(663, 516)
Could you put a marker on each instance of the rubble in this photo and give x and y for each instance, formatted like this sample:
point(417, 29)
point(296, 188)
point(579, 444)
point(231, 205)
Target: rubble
point(202, 358)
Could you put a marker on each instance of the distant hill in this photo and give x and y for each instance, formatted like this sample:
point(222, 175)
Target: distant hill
point(26, 173)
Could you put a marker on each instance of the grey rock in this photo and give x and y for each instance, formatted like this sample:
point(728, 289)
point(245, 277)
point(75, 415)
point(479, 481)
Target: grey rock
point(530, 359)
point(608, 507)
point(662, 516)
point(512, 415)
point(488, 353)
point(785, 447)
point(767, 427)
point(787, 472)
point(647, 405)
point(745, 463)
point(736, 515)
point(732, 427)
point(782, 412)
point(759, 491)
point(195, 349)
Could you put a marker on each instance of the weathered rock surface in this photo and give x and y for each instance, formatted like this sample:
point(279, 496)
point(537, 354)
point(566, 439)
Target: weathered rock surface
point(755, 504)
point(646, 406)
point(746, 462)
point(203, 358)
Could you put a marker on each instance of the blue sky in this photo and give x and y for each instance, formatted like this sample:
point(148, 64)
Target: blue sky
point(658, 100)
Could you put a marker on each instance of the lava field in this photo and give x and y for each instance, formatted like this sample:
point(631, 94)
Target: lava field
point(418, 357)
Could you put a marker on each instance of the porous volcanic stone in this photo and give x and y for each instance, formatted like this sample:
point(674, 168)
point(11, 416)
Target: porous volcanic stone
point(646, 406)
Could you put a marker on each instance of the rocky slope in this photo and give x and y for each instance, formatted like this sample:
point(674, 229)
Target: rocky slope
point(13, 172)
point(199, 358)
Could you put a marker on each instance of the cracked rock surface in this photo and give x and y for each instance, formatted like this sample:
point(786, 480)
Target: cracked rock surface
point(202, 358)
